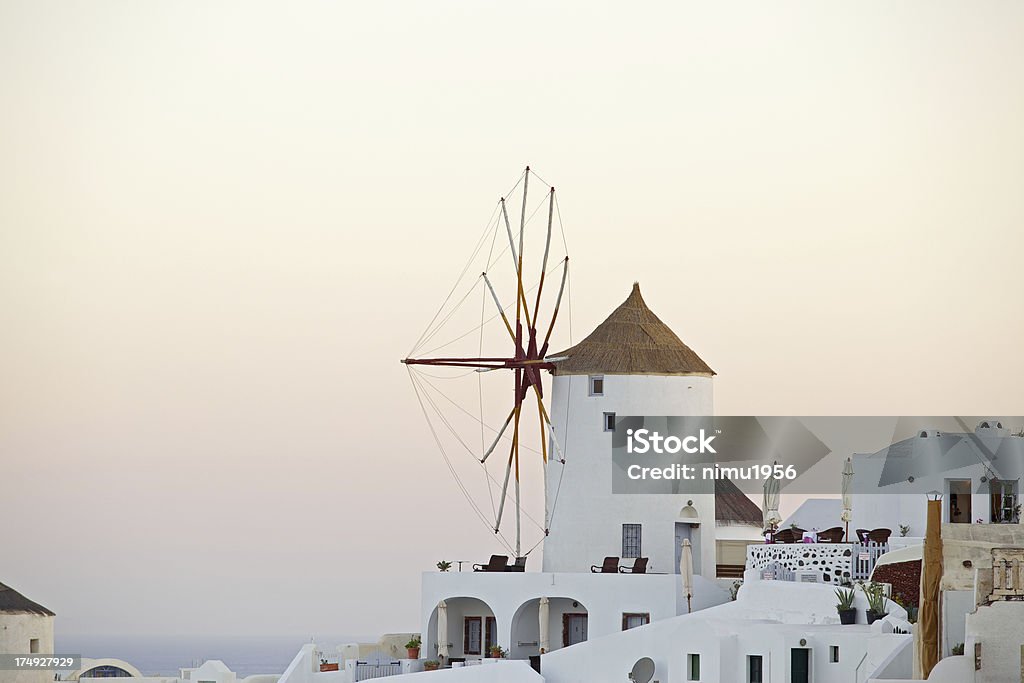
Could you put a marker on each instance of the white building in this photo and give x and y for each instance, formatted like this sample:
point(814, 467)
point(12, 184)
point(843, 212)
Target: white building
point(977, 473)
point(632, 364)
point(26, 627)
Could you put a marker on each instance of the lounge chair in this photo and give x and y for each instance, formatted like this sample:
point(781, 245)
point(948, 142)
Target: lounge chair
point(639, 567)
point(833, 535)
point(519, 566)
point(610, 566)
point(498, 563)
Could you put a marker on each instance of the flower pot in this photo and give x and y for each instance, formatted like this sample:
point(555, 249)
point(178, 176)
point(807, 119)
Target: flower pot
point(848, 616)
point(432, 666)
point(875, 616)
point(413, 652)
point(329, 667)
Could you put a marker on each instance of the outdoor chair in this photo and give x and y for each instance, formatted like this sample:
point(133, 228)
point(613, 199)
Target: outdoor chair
point(792, 535)
point(833, 535)
point(610, 566)
point(862, 535)
point(498, 563)
point(880, 536)
point(639, 567)
point(519, 566)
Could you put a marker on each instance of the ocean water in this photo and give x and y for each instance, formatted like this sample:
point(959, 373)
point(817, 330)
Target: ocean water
point(164, 655)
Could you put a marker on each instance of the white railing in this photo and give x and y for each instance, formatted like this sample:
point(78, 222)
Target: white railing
point(864, 557)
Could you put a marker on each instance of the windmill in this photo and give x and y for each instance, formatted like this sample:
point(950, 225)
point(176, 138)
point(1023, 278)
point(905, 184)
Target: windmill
point(529, 330)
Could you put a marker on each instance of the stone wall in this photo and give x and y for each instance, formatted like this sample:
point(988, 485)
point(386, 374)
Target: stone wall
point(905, 578)
point(834, 561)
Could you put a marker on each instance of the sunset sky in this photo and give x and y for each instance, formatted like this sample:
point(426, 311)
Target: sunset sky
point(223, 223)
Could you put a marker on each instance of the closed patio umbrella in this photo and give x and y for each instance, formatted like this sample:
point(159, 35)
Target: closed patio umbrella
point(542, 616)
point(770, 503)
point(847, 496)
point(686, 571)
point(442, 630)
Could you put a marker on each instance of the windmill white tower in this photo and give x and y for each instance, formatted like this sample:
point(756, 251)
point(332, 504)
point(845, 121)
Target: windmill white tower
point(632, 364)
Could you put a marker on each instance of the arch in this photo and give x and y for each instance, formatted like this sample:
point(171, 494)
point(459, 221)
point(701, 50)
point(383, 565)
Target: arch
point(469, 619)
point(526, 624)
point(689, 514)
point(105, 668)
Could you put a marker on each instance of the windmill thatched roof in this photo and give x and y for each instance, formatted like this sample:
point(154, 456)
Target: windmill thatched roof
point(13, 602)
point(733, 507)
point(632, 341)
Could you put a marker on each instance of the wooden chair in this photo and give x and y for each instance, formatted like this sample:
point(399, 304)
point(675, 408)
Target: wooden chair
point(833, 535)
point(498, 563)
point(610, 566)
point(862, 535)
point(880, 536)
point(639, 567)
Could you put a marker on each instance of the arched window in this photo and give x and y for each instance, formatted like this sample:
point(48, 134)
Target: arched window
point(105, 671)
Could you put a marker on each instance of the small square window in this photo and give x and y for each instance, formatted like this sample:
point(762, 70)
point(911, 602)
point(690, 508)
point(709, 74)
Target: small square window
point(33, 646)
point(634, 619)
point(833, 654)
point(693, 667)
point(609, 422)
point(597, 385)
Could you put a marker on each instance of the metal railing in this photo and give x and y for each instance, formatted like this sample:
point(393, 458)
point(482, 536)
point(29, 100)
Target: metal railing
point(367, 670)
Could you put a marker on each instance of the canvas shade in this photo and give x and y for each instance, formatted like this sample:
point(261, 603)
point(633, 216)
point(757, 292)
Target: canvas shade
point(686, 571)
point(442, 629)
point(542, 615)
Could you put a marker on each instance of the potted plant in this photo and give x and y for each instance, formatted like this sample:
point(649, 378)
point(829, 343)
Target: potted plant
point(876, 601)
point(495, 652)
point(431, 665)
point(847, 612)
point(444, 565)
point(413, 647)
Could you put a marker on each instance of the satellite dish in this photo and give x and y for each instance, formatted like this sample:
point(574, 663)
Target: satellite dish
point(643, 670)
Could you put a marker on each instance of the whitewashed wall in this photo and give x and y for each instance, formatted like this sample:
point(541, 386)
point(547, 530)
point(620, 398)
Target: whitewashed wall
point(16, 633)
point(588, 518)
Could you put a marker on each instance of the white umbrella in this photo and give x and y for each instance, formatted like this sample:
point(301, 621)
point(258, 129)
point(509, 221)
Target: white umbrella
point(847, 495)
point(542, 615)
point(442, 629)
point(770, 504)
point(686, 571)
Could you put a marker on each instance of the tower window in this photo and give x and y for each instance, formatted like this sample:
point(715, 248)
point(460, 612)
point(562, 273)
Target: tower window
point(33, 645)
point(597, 385)
point(833, 654)
point(631, 546)
point(609, 422)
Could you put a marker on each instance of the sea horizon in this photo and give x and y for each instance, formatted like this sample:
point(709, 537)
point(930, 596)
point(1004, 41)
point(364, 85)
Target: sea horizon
point(164, 655)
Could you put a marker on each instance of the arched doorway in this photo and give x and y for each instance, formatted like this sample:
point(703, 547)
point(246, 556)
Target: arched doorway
point(567, 625)
point(472, 630)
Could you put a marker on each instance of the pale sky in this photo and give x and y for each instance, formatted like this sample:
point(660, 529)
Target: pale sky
point(223, 223)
